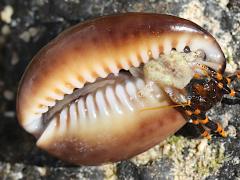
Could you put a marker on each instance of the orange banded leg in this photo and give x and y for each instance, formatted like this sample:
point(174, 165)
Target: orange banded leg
point(224, 85)
point(204, 133)
point(222, 82)
point(219, 77)
point(202, 119)
point(199, 120)
point(193, 115)
point(216, 127)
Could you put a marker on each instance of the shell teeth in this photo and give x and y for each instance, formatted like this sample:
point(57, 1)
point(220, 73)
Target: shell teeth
point(123, 98)
point(101, 103)
point(56, 95)
point(47, 102)
point(125, 65)
point(63, 120)
point(73, 115)
point(113, 68)
point(91, 107)
point(155, 51)
point(144, 56)
point(182, 42)
point(88, 77)
point(131, 89)
point(134, 60)
point(167, 45)
point(101, 72)
point(140, 84)
point(42, 109)
point(81, 109)
point(65, 88)
point(111, 98)
point(76, 83)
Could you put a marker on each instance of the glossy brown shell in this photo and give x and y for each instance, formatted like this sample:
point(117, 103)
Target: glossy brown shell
point(95, 49)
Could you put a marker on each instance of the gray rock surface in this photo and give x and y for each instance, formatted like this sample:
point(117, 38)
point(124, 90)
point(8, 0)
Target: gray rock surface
point(26, 26)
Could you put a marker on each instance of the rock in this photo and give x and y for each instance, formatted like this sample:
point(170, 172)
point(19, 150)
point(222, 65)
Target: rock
point(127, 170)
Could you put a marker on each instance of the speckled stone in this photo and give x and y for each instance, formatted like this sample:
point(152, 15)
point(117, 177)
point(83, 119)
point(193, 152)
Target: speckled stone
point(34, 23)
point(127, 170)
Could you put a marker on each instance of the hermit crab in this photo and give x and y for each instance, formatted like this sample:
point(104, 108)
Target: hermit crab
point(109, 88)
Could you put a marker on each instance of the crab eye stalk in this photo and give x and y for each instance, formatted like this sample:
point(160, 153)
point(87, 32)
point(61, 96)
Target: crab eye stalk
point(80, 98)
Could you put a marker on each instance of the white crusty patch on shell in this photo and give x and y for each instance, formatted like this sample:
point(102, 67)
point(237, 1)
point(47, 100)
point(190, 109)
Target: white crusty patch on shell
point(175, 69)
point(169, 70)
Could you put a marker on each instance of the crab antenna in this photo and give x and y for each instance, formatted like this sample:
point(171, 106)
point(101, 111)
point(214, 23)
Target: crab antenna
point(164, 107)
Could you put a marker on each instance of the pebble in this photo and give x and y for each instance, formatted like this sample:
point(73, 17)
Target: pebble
point(166, 149)
point(9, 114)
point(9, 95)
point(28, 34)
point(5, 30)
point(42, 171)
point(109, 171)
point(231, 130)
point(25, 36)
point(15, 58)
point(236, 160)
point(202, 145)
point(6, 14)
